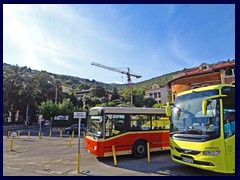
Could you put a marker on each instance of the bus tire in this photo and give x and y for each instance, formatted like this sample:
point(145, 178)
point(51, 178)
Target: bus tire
point(139, 149)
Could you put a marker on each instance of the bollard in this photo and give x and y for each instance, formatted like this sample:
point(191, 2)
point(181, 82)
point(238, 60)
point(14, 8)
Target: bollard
point(78, 163)
point(18, 134)
point(8, 134)
point(60, 134)
point(11, 145)
point(73, 134)
point(50, 134)
point(148, 152)
point(70, 141)
point(84, 135)
point(114, 156)
point(28, 134)
point(39, 135)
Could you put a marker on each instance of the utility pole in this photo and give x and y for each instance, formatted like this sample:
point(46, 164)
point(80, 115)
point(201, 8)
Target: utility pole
point(26, 122)
point(55, 90)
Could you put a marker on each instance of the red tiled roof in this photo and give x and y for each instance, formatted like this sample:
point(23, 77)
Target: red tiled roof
point(212, 68)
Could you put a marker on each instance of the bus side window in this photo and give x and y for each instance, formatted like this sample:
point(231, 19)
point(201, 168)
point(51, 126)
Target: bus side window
point(227, 125)
point(232, 123)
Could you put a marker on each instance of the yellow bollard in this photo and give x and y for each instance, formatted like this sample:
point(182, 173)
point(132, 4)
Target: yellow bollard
point(60, 134)
point(70, 141)
point(28, 134)
point(114, 156)
point(39, 135)
point(84, 135)
point(78, 163)
point(11, 145)
point(50, 134)
point(73, 134)
point(18, 134)
point(8, 134)
point(148, 152)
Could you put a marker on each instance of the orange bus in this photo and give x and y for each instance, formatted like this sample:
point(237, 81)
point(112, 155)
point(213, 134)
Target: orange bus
point(128, 129)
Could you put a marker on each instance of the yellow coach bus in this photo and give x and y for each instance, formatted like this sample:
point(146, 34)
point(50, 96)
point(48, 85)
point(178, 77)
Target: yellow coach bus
point(202, 128)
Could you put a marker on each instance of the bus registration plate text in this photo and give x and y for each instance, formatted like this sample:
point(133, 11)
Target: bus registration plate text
point(187, 160)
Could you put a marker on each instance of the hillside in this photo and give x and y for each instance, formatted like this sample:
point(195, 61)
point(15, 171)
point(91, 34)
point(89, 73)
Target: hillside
point(73, 82)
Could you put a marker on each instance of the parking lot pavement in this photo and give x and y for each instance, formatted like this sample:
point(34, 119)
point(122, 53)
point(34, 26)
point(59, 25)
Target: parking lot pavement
point(48, 157)
point(54, 157)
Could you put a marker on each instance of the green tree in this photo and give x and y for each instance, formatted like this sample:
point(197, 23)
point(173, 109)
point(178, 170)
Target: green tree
point(127, 95)
point(98, 91)
point(66, 107)
point(138, 97)
point(48, 109)
point(149, 102)
point(95, 101)
point(115, 94)
point(19, 90)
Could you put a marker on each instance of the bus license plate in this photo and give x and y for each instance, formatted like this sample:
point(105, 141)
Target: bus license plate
point(187, 160)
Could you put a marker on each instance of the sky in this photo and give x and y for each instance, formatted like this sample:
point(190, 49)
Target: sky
point(150, 39)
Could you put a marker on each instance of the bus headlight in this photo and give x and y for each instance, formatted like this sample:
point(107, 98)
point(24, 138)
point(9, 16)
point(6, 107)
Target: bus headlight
point(211, 153)
point(95, 148)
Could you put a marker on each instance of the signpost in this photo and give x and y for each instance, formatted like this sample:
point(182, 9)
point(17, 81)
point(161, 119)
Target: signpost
point(79, 115)
point(40, 118)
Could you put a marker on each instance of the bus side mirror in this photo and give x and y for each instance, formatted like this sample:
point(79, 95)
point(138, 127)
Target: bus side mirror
point(207, 100)
point(204, 107)
point(168, 110)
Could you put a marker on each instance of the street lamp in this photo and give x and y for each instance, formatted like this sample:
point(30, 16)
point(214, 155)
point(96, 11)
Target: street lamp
point(56, 90)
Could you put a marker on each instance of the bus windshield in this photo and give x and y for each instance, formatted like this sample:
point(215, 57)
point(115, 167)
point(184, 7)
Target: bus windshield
point(188, 122)
point(95, 126)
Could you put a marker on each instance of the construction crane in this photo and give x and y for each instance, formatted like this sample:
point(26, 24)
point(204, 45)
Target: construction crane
point(123, 72)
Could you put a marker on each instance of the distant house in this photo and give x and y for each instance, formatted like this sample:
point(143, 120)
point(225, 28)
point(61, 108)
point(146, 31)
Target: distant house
point(83, 93)
point(87, 92)
point(66, 88)
point(203, 75)
point(158, 93)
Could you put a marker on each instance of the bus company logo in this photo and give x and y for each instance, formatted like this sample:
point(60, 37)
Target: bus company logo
point(186, 151)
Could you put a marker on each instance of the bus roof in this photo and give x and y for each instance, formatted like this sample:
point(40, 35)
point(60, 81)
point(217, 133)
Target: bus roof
point(212, 87)
point(130, 110)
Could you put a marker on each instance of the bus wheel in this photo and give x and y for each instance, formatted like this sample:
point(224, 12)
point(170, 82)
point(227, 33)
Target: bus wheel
point(139, 149)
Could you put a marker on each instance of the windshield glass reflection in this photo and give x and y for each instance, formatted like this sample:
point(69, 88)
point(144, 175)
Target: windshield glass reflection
point(187, 118)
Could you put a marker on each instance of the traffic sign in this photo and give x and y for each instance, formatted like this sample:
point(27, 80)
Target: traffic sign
point(79, 115)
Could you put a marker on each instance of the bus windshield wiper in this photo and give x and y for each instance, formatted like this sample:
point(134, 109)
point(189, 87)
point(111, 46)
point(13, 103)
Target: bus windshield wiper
point(178, 132)
point(194, 131)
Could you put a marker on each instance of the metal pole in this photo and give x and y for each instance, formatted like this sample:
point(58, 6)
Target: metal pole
point(148, 152)
point(26, 123)
point(11, 145)
point(56, 95)
point(79, 131)
point(131, 95)
point(40, 125)
point(114, 156)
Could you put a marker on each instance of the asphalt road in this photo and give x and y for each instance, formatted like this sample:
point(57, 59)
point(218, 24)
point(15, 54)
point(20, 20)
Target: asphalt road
point(55, 157)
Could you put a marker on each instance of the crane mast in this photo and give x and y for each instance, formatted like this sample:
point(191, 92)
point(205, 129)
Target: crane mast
point(120, 71)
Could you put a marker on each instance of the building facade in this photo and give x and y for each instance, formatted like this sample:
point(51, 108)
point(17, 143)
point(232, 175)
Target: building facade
point(158, 93)
point(204, 75)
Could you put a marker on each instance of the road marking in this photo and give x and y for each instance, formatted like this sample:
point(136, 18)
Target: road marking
point(44, 172)
point(14, 168)
point(55, 172)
